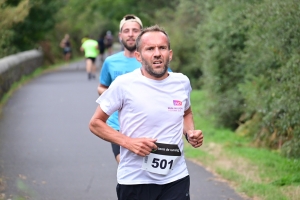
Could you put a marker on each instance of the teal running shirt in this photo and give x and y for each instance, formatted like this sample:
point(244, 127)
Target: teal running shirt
point(114, 66)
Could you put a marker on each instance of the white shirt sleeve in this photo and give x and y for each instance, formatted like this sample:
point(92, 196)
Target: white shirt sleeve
point(112, 99)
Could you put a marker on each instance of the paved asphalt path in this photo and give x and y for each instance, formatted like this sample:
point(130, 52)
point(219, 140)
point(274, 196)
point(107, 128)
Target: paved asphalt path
point(48, 153)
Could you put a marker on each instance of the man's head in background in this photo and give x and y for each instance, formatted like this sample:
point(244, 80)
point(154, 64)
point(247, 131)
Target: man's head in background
point(130, 28)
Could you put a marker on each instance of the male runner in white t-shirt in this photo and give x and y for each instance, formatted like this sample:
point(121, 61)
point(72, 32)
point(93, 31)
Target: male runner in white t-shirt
point(154, 111)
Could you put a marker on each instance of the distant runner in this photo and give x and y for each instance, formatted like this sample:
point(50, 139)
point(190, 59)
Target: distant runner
point(101, 46)
point(65, 44)
point(90, 48)
point(108, 41)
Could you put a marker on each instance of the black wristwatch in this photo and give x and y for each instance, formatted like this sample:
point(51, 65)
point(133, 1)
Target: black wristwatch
point(186, 137)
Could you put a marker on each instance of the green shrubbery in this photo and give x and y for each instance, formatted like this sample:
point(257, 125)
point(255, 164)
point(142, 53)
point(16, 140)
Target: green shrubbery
point(180, 24)
point(221, 38)
point(24, 24)
point(250, 61)
point(276, 34)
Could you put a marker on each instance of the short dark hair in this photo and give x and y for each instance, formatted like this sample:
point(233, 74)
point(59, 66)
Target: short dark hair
point(154, 28)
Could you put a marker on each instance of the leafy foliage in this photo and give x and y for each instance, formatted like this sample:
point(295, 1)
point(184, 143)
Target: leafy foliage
point(221, 38)
point(249, 57)
point(100, 16)
point(182, 42)
point(37, 23)
point(8, 10)
point(271, 59)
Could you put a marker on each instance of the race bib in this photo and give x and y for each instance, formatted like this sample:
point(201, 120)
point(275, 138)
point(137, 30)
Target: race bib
point(162, 160)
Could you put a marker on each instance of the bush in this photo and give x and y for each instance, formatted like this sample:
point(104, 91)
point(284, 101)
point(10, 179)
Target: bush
point(221, 38)
point(271, 59)
point(249, 57)
point(181, 25)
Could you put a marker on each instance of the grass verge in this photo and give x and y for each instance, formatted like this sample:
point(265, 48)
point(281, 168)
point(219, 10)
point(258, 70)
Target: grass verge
point(258, 173)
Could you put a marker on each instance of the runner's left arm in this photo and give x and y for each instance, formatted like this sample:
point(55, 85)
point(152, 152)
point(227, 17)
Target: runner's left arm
point(194, 137)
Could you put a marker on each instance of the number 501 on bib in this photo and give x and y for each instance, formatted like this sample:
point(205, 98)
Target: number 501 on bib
point(162, 160)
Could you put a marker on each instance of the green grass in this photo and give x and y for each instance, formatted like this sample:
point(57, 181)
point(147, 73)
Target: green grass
point(256, 172)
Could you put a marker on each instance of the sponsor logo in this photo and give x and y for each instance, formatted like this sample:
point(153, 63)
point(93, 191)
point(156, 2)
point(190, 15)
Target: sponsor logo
point(177, 103)
point(177, 106)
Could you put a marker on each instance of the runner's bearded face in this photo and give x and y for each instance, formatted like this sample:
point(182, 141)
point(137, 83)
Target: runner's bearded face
point(156, 72)
point(129, 33)
point(155, 54)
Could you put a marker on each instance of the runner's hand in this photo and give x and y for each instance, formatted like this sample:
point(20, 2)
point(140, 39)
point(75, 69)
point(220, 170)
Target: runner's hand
point(141, 146)
point(195, 138)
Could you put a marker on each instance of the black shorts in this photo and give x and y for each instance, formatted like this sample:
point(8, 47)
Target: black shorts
point(101, 50)
point(67, 50)
point(177, 190)
point(92, 59)
point(108, 45)
point(115, 149)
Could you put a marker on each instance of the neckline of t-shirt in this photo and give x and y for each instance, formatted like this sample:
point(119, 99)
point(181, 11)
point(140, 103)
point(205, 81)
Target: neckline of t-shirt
point(153, 80)
point(123, 53)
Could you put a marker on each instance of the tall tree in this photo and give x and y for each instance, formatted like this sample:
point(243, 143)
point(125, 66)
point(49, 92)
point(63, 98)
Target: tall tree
point(36, 24)
point(8, 12)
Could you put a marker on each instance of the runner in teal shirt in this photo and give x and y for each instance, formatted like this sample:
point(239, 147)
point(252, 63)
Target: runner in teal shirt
point(120, 63)
point(112, 67)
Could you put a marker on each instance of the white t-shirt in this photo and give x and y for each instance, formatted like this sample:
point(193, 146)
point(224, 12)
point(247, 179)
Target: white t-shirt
point(152, 109)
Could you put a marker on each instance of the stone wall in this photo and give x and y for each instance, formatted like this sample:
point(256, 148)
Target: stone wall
point(13, 67)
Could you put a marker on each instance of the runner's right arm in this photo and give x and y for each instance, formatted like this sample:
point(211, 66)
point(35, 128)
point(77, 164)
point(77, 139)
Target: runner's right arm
point(139, 146)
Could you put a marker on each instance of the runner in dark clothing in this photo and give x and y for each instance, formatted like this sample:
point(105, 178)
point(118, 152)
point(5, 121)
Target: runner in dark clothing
point(101, 47)
point(108, 41)
point(65, 44)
